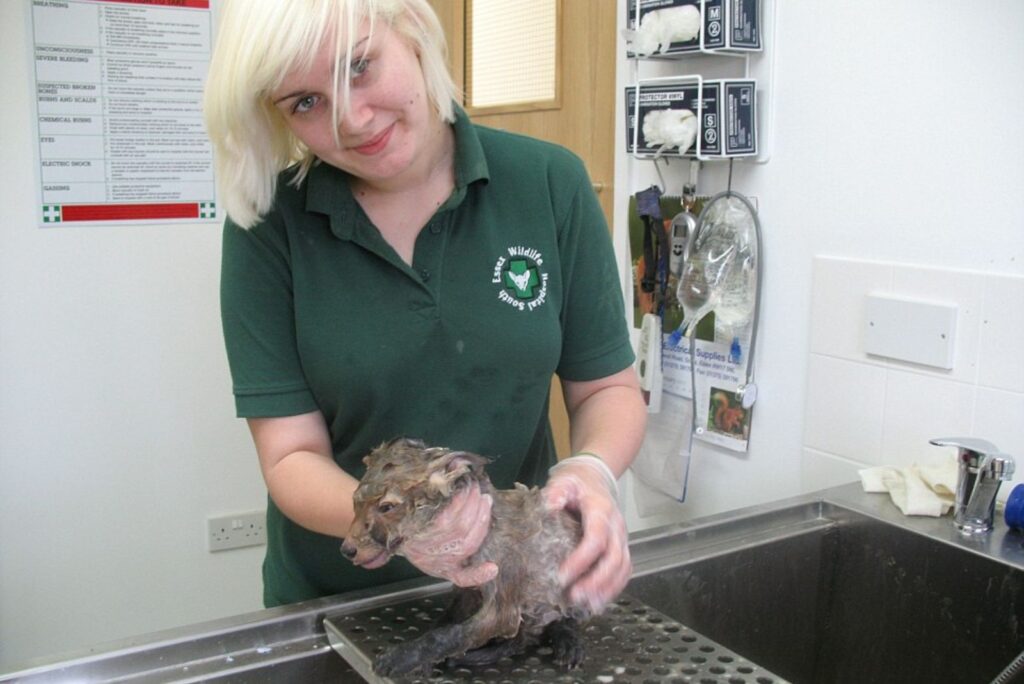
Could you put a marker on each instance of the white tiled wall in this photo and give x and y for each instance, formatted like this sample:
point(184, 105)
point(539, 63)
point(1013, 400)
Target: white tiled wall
point(866, 410)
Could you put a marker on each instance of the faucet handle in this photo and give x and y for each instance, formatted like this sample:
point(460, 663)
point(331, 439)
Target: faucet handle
point(997, 467)
point(970, 450)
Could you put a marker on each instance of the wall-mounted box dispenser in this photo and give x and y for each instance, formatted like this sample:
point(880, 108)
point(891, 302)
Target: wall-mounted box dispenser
point(726, 111)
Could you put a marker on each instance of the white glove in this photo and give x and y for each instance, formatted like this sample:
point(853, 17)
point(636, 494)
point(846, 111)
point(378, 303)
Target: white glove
point(599, 568)
point(456, 534)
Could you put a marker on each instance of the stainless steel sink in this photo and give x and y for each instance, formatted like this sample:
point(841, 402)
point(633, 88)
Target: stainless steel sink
point(835, 586)
point(845, 589)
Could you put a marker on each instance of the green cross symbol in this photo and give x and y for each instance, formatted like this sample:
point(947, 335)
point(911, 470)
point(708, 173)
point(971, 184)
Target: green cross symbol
point(51, 213)
point(522, 278)
point(207, 210)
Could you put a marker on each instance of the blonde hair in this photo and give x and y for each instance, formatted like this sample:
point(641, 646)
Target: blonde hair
point(258, 42)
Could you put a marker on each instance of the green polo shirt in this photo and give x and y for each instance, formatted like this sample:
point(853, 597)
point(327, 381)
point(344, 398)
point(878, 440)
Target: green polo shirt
point(513, 279)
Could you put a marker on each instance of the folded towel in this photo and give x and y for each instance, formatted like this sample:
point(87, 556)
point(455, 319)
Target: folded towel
point(917, 490)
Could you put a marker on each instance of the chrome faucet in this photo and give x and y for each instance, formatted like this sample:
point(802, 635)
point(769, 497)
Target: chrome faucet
point(981, 469)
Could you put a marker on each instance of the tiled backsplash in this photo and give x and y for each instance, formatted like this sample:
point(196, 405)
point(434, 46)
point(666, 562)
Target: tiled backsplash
point(866, 410)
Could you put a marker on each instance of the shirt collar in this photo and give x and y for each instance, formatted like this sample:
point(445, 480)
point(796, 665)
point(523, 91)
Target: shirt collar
point(470, 160)
point(328, 192)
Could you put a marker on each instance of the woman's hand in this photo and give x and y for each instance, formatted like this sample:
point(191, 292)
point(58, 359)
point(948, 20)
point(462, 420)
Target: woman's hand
point(599, 568)
point(456, 534)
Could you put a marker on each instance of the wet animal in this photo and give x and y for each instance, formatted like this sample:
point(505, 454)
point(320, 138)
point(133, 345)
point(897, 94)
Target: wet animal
point(405, 486)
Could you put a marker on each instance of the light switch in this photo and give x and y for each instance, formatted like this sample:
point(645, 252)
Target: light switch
point(910, 330)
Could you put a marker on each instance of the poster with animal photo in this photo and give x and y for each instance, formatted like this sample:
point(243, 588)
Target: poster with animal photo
point(726, 415)
point(721, 417)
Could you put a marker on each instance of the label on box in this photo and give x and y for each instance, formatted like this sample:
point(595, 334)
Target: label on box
point(745, 25)
point(727, 116)
point(715, 25)
point(741, 114)
point(728, 24)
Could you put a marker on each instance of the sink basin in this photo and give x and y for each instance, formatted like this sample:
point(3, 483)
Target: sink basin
point(822, 592)
point(831, 587)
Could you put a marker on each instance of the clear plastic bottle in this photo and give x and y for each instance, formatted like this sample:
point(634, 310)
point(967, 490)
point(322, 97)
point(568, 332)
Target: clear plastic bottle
point(720, 269)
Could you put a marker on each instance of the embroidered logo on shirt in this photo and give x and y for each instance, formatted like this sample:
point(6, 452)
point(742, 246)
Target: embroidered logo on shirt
point(523, 284)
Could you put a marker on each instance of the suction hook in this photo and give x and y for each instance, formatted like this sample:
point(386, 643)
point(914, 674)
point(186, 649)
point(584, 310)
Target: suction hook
point(746, 394)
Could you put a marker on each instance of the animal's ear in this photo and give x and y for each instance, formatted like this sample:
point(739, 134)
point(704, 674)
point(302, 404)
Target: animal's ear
point(405, 442)
point(452, 466)
point(393, 448)
point(465, 461)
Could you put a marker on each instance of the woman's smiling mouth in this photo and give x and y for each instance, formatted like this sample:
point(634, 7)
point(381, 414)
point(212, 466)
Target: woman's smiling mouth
point(376, 144)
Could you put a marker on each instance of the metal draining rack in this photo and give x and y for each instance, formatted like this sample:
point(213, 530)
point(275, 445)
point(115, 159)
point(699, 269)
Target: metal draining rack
point(631, 643)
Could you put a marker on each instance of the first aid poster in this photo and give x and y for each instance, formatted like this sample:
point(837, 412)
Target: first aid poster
point(118, 111)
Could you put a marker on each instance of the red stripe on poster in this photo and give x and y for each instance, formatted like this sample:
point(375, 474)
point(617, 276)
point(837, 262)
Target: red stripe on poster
point(127, 212)
point(191, 4)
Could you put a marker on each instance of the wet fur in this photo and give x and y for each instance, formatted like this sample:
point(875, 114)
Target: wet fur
point(405, 485)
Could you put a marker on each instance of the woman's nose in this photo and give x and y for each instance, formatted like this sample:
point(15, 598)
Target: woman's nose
point(356, 117)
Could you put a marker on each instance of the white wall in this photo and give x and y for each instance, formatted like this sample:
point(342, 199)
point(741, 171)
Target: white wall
point(865, 410)
point(117, 429)
point(897, 139)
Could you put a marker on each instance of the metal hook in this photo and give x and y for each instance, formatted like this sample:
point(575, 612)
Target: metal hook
point(658, 169)
point(689, 195)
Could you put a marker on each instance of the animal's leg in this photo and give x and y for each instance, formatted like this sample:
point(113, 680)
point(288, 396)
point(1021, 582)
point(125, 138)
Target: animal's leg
point(565, 637)
point(420, 653)
point(451, 640)
point(492, 652)
point(465, 604)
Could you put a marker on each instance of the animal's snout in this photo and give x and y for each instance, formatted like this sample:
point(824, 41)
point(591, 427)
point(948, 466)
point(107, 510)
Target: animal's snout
point(365, 552)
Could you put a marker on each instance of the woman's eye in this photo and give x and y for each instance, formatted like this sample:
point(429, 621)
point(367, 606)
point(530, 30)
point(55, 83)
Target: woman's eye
point(305, 104)
point(359, 66)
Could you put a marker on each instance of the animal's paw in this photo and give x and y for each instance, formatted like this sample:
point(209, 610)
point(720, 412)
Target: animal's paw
point(569, 653)
point(398, 661)
point(566, 641)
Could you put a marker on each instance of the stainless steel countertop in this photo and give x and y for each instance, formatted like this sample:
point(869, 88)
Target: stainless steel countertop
point(232, 649)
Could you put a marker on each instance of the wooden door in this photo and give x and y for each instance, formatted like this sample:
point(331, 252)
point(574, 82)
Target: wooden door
point(583, 120)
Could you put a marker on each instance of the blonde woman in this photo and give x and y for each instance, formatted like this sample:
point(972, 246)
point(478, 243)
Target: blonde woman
point(391, 269)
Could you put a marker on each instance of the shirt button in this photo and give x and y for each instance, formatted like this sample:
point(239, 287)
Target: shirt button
point(425, 274)
point(435, 227)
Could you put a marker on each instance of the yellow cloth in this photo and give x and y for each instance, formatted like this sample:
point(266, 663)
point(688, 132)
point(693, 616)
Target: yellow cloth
point(917, 490)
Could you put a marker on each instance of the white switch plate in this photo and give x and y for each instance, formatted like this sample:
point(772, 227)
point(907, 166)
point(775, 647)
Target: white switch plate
point(910, 330)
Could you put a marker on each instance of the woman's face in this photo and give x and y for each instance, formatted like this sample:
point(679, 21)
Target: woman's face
point(389, 123)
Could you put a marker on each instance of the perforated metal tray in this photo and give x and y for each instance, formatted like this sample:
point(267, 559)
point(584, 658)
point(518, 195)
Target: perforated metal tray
point(630, 643)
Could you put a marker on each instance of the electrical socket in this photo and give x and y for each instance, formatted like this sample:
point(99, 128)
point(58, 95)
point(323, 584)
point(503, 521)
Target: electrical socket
point(236, 531)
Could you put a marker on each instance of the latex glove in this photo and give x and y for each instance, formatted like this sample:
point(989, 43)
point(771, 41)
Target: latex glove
point(456, 534)
point(599, 568)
